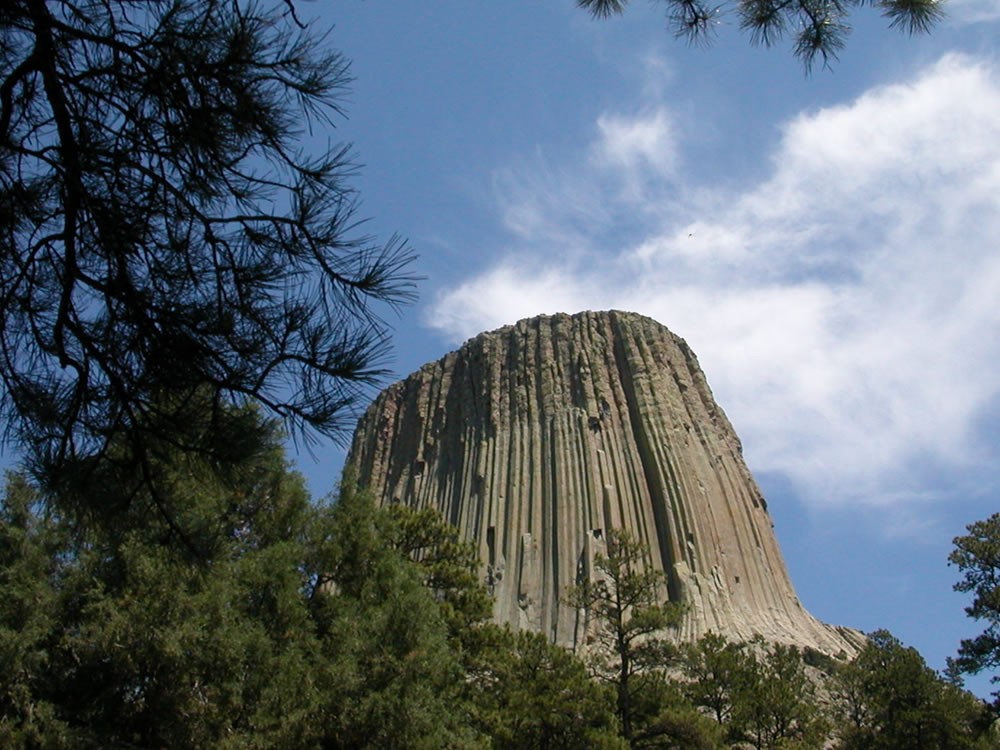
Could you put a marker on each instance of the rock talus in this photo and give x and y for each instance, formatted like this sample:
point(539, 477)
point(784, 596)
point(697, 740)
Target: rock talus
point(537, 438)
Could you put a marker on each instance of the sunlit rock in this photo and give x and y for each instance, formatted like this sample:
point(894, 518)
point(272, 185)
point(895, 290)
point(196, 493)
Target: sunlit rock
point(537, 438)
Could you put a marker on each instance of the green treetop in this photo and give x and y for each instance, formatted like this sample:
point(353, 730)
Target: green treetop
point(628, 616)
point(977, 556)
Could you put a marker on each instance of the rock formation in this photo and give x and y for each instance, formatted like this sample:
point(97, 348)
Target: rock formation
point(537, 438)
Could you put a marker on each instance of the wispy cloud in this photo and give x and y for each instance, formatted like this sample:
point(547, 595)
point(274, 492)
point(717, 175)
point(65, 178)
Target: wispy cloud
point(845, 308)
point(973, 11)
point(640, 148)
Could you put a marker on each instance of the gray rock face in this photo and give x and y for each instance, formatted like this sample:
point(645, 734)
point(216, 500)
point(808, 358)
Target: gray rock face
point(537, 438)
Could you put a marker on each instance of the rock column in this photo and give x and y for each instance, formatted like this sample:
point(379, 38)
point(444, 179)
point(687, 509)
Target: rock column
point(537, 438)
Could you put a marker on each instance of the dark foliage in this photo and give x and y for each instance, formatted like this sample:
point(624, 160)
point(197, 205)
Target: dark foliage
point(306, 629)
point(167, 245)
point(530, 694)
point(820, 27)
point(977, 555)
point(888, 698)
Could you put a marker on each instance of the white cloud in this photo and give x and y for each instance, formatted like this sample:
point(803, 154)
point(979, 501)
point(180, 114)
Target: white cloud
point(639, 145)
point(972, 11)
point(508, 289)
point(845, 309)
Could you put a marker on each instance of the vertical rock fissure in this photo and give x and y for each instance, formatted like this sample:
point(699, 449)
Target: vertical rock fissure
point(537, 438)
point(653, 482)
point(550, 569)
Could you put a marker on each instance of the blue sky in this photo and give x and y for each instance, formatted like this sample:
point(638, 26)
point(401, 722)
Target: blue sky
point(825, 243)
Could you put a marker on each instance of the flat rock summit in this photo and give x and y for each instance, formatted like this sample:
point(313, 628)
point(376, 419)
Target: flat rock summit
point(537, 438)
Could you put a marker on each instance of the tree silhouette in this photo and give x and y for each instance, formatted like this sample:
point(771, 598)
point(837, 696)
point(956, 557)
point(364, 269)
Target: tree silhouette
point(168, 245)
point(820, 27)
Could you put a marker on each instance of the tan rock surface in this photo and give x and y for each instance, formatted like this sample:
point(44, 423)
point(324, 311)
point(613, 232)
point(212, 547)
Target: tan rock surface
point(538, 437)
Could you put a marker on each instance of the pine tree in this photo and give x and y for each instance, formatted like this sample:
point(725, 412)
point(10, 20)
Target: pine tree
point(977, 556)
point(168, 247)
point(290, 625)
point(532, 694)
point(713, 668)
point(774, 704)
point(626, 609)
point(889, 698)
point(820, 28)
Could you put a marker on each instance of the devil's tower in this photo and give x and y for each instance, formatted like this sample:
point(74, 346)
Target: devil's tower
point(537, 438)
